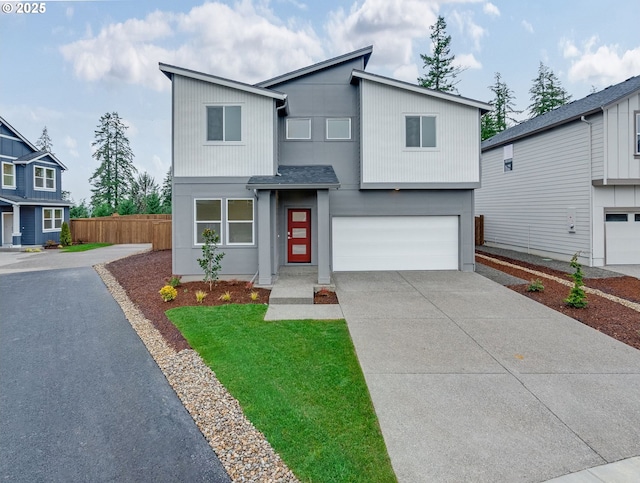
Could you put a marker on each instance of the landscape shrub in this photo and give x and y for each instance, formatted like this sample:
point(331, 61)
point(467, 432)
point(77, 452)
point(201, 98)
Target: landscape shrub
point(210, 261)
point(65, 234)
point(577, 297)
point(168, 293)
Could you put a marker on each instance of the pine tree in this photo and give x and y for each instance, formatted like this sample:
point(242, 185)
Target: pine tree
point(154, 206)
point(79, 211)
point(113, 178)
point(44, 142)
point(546, 93)
point(141, 188)
point(166, 192)
point(500, 117)
point(441, 73)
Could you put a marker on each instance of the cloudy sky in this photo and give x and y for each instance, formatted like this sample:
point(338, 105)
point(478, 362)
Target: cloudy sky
point(65, 67)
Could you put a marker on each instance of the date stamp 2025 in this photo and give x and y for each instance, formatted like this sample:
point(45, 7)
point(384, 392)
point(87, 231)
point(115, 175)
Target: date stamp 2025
point(24, 7)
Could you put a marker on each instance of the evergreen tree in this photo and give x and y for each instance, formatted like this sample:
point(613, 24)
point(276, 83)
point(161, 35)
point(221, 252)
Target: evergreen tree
point(103, 209)
point(154, 206)
point(166, 192)
point(113, 178)
point(79, 211)
point(500, 117)
point(44, 142)
point(441, 73)
point(546, 93)
point(127, 207)
point(141, 188)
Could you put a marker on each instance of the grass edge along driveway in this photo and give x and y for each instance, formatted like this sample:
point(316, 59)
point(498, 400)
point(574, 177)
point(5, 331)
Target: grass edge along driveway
point(300, 383)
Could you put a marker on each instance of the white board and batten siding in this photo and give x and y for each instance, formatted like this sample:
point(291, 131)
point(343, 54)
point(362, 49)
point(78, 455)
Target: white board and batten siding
point(527, 208)
point(385, 159)
point(194, 157)
point(369, 243)
point(619, 139)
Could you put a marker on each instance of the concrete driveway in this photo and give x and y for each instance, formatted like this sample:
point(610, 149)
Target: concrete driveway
point(81, 399)
point(473, 382)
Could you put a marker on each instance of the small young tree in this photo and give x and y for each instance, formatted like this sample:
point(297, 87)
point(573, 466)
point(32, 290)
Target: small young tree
point(577, 298)
point(65, 234)
point(210, 261)
point(441, 72)
point(153, 204)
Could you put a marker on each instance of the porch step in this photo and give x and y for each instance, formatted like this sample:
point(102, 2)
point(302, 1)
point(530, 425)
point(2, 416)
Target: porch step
point(293, 287)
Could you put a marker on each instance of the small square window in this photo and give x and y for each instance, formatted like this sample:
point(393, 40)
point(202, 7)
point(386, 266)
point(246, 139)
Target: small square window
point(339, 128)
point(224, 123)
point(298, 128)
point(44, 178)
point(420, 131)
point(52, 219)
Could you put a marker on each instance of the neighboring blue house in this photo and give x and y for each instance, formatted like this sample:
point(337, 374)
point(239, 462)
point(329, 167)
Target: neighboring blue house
point(31, 205)
point(327, 166)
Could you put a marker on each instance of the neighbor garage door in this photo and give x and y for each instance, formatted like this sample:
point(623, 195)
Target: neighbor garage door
point(395, 243)
point(622, 238)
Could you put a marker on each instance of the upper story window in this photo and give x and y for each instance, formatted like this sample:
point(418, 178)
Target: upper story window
point(208, 214)
point(44, 178)
point(339, 128)
point(8, 175)
point(507, 158)
point(224, 123)
point(637, 134)
point(52, 219)
point(298, 128)
point(420, 131)
point(240, 221)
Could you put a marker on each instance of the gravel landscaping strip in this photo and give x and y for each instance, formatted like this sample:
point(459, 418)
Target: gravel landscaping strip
point(243, 450)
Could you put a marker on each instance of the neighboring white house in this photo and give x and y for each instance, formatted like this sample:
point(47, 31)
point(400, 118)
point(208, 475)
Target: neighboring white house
point(568, 181)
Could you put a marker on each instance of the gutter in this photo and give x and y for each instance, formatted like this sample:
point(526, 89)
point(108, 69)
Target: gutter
point(591, 208)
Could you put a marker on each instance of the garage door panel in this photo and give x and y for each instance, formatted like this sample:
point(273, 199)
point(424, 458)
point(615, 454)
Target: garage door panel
point(622, 242)
point(395, 243)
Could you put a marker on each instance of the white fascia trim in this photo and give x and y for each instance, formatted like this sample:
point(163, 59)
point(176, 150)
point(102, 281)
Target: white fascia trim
point(358, 74)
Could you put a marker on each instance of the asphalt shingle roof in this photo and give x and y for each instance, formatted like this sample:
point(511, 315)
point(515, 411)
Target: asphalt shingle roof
point(293, 177)
point(569, 112)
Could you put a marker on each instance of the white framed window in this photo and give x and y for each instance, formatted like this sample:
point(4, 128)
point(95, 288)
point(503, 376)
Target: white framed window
point(299, 128)
point(44, 178)
point(420, 131)
point(8, 175)
point(507, 158)
point(224, 124)
point(207, 214)
point(240, 221)
point(339, 128)
point(52, 219)
point(637, 134)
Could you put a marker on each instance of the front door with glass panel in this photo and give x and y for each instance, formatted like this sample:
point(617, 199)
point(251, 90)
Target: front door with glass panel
point(299, 236)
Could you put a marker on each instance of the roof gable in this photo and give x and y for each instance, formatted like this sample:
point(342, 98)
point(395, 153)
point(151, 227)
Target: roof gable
point(357, 75)
point(36, 154)
point(364, 53)
point(569, 112)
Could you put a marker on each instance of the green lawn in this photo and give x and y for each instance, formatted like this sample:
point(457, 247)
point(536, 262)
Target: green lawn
point(84, 247)
point(300, 383)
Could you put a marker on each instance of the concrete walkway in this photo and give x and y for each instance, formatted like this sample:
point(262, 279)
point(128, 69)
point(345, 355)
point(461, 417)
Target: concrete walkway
point(473, 382)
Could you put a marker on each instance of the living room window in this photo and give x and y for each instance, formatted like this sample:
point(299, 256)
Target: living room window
point(52, 219)
point(240, 221)
point(44, 178)
point(208, 214)
point(339, 128)
point(224, 123)
point(299, 128)
point(420, 131)
point(8, 175)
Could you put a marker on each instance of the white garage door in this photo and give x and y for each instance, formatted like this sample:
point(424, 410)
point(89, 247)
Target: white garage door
point(622, 238)
point(395, 243)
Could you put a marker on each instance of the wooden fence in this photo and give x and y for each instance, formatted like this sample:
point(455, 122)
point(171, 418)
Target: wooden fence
point(479, 230)
point(154, 229)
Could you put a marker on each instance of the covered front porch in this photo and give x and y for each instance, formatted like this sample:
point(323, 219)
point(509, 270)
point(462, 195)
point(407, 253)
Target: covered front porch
point(293, 220)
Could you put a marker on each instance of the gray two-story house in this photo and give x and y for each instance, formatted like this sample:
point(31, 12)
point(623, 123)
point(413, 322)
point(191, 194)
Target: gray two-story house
point(31, 204)
point(328, 166)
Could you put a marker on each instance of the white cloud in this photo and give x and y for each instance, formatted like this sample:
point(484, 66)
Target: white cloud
point(467, 61)
point(69, 13)
point(72, 146)
point(600, 65)
point(527, 26)
point(491, 10)
point(408, 73)
point(467, 26)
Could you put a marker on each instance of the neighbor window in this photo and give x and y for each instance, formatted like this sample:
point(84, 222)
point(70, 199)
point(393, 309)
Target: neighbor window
point(637, 132)
point(339, 128)
point(507, 156)
point(44, 178)
point(8, 175)
point(52, 219)
point(224, 123)
point(240, 222)
point(298, 128)
point(420, 131)
point(208, 214)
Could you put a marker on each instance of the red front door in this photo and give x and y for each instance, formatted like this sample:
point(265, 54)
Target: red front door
point(299, 236)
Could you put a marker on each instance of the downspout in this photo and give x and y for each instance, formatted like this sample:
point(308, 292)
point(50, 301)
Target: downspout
point(584, 119)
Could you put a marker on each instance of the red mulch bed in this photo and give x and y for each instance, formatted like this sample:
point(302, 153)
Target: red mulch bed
point(143, 275)
point(611, 318)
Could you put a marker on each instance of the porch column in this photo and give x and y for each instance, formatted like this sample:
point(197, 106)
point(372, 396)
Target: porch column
point(324, 271)
point(264, 237)
point(16, 234)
